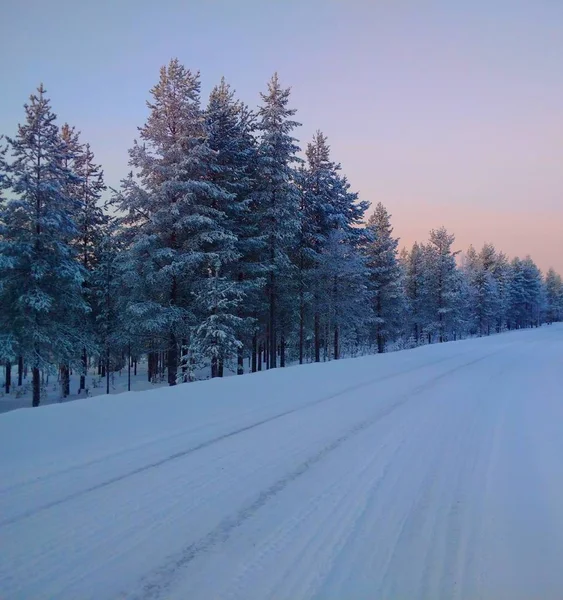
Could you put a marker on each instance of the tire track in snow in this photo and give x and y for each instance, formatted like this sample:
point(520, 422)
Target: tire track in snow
point(159, 582)
point(183, 453)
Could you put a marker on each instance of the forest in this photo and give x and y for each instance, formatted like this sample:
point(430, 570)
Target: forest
point(227, 247)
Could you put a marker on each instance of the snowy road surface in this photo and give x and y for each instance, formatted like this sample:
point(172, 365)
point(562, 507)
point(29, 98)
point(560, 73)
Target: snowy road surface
point(431, 473)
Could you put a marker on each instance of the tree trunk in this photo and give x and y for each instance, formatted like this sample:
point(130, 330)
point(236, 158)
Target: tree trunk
point(20, 370)
point(172, 360)
point(129, 368)
point(380, 343)
point(317, 337)
point(272, 342)
point(184, 360)
point(84, 370)
point(260, 357)
point(213, 367)
point(65, 380)
point(254, 352)
point(107, 370)
point(220, 368)
point(240, 361)
point(8, 376)
point(282, 349)
point(301, 325)
point(336, 342)
point(36, 384)
point(380, 338)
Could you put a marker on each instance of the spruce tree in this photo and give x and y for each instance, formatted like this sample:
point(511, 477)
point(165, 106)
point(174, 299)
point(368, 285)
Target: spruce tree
point(180, 237)
point(235, 291)
point(277, 201)
point(384, 277)
point(554, 296)
point(442, 284)
point(45, 285)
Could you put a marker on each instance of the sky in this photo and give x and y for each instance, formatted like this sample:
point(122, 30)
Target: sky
point(448, 112)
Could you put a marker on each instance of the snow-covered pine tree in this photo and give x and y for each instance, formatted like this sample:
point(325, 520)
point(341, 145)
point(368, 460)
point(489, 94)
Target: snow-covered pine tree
point(7, 338)
point(45, 285)
point(517, 296)
point(319, 184)
point(238, 289)
point(90, 219)
point(442, 288)
point(479, 271)
point(277, 201)
point(416, 290)
point(554, 296)
point(384, 277)
point(533, 292)
point(176, 211)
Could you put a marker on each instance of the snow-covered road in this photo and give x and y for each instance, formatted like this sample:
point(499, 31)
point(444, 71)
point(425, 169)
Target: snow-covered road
point(431, 473)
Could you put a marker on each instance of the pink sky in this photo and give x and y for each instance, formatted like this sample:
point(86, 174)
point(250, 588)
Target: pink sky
point(450, 113)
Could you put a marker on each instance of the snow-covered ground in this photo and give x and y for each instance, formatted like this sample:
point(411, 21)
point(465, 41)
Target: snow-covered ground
point(430, 473)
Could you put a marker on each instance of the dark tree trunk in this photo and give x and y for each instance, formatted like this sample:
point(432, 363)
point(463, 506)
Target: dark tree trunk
point(65, 380)
point(272, 342)
point(260, 357)
point(84, 370)
point(317, 337)
point(184, 360)
point(336, 342)
point(220, 368)
point(254, 352)
point(380, 338)
point(240, 362)
point(172, 360)
point(104, 369)
point(301, 325)
point(8, 376)
point(20, 370)
point(282, 349)
point(135, 367)
point(129, 368)
point(380, 343)
point(36, 384)
point(107, 371)
point(213, 367)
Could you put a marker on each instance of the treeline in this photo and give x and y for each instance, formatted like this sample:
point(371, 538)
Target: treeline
point(223, 248)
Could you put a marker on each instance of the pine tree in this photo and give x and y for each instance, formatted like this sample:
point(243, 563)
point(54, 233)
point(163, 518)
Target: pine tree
point(384, 276)
point(416, 290)
point(442, 296)
point(177, 214)
point(277, 200)
point(229, 127)
point(45, 286)
point(554, 296)
point(319, 185)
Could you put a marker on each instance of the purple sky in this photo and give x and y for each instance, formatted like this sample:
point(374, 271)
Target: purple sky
point(450, 113)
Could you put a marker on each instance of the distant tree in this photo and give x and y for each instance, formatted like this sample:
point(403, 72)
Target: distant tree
point(441, 282)
point(554, 296)
point(384, 277)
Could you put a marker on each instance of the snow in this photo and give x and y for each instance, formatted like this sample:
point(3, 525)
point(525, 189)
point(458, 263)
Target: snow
point(428, 473)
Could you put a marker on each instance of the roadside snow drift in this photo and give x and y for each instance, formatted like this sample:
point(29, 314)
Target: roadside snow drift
point(430, 473)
